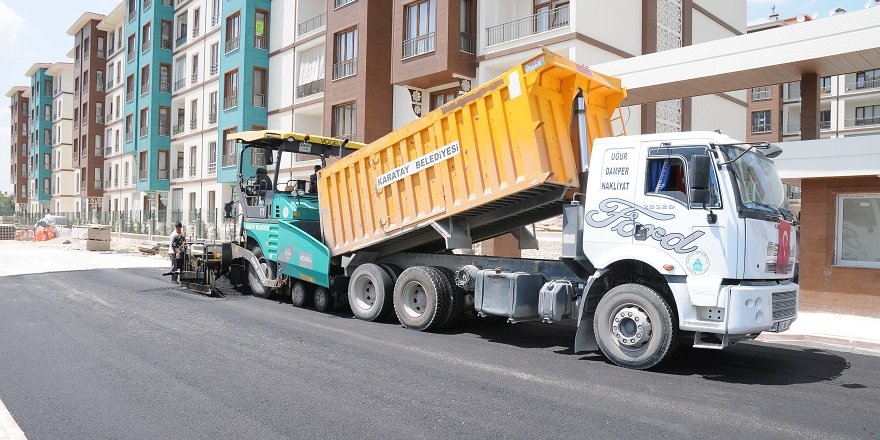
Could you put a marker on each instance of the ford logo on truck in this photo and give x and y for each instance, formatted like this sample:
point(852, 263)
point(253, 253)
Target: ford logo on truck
point(623, 215)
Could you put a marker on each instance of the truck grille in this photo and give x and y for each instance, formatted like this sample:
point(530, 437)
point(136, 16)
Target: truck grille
point(784, 305)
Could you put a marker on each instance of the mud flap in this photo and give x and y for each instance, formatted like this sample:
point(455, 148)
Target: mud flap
point(585, 338)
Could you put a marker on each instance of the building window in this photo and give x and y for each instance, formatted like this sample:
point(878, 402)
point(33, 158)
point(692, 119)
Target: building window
point(761, 122)
point(145, 80)
point(146, 37)
point(867, 115)
point(212, 157)
point(857, 240)
point(197, 18)
point(420, 27)
point(259, 84)
point(442, 97)
point(230, 90)
point(145, 122)
point(164, 120)
point(130, 48)
point(761, 93)
point(212, 108)
point(261, 29)
point(165, 78)
point(825, 85)
point(868, 80)
point(825, 119)
point(215, 58)
point(181, 30)
point(163, 165)
point(165, 37)
point(345, 46)
point(233, 35)
point(344, 123)
point(230, 159)
point(468, 26)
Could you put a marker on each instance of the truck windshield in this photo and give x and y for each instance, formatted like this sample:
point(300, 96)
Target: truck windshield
point(760, 188)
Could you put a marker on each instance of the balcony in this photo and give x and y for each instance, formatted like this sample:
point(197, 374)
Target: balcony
point(193, 124)
point(163, 130)
point(145, 46)
point(179, 84)
point(419, 45)
point(125, 181)
point(862, 85)
point(345, 69)
point(526, 26)
point(129, 95)
point(101, 53)
point(129, 136)
point(311, 24)
point(178, 129)
point(99, 119)
point(230, 102)
point(308, 89)
point(861, 122)
point(214, 69)
point(232, 45)
point(467, 43)
point(259, 100)
point(144, 131)
point(192, 171)
point(261, 42)
point(230, 160)
point(163, 174)
point(145, 88)
point(164, 87)
point(177, 173)
point(212, 168)
point(180, 41)
point(97, 184)
point(195, 32)
point(215, 20)
point(212, 118)
point(194, 78)
point(108, 150)
point(165, 42)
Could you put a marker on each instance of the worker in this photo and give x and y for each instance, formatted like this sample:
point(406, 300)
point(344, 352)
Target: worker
point(175, 251)
point(313, 180)
point(263, 181)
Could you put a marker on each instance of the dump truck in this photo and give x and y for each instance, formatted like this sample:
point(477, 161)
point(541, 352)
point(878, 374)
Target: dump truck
point(667, 240)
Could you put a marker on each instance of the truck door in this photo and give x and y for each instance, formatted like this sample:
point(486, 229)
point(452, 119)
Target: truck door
point(673, 228)
point(609, 222)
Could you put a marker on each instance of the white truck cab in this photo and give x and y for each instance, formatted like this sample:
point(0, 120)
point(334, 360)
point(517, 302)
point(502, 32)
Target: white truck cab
point(705, 212)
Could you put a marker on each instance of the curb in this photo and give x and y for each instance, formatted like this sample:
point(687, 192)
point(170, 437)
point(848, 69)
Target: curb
point(830, 342)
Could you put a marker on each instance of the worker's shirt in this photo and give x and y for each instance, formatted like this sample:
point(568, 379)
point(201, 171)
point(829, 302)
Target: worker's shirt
point(174, 236)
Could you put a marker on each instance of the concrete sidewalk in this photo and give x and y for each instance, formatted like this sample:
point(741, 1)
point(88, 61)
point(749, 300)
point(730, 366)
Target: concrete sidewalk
point(832, 331)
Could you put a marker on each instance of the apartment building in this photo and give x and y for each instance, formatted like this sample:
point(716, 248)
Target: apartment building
point(65, 183)
point(40, 142)
point(19, 110)
point(119, 191)
point(849, 105)
point(89, 60)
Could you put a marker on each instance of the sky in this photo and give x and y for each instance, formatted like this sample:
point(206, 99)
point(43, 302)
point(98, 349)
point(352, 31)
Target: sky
point(33, 31)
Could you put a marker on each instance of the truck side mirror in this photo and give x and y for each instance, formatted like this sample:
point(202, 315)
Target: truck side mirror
point(699, 179)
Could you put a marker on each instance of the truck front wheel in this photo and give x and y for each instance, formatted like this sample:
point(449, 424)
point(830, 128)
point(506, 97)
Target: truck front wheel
point(635, 327)
point(300, 294)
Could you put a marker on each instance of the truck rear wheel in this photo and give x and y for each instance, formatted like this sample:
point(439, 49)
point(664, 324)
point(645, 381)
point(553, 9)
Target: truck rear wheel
point(456, 299)
point(300, 294)
point(420, 298)
point(268, 269)
point(635, 327)
point(323, 299)
point(370, 293)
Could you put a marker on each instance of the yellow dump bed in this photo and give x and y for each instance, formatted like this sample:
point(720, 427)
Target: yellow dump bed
point(495, 158)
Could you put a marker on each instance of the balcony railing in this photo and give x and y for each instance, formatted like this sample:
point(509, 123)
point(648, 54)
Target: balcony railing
point(193, 124)
point(180, 41)
point(177, 129)
point(163, 174)
point(85, 121)
point(761, 128)
point(467, 43)
point(824, 125)
point(97, 185)
point(212, 118)
point(192, 171)
point(261, 42)
point(309, 89)
point(418, 45)
point(215, 20)
point(212, 168)
point(259, 100)
point(125, 182)
point(230, 160)
point(230, 102)
point(108, 150)
point(214, 69)
point(861, 122)
point(99, 119)
point(129, 136)
point(145, 46)
point(195, 32)
point(129, 95)
point(862, 85)
point(101, 53)
point(345, 69)
point(145, 88)
point(530, 25)
point(177, 173)
point(792, 128)
point(142, 174)
point(144, 131)
point(165, 43)
point(311, 24)
point(179, 84)
point(164, 87)
point(163, 130)
point(232, 45)
point(194, 78)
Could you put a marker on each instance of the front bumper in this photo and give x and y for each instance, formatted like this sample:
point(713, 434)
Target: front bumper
point(755, 309)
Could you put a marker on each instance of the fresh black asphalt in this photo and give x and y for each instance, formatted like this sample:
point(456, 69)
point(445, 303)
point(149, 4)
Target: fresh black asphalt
point(124, 354)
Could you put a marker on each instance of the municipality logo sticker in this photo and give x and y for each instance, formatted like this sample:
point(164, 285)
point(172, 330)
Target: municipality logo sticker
point(698, 263)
